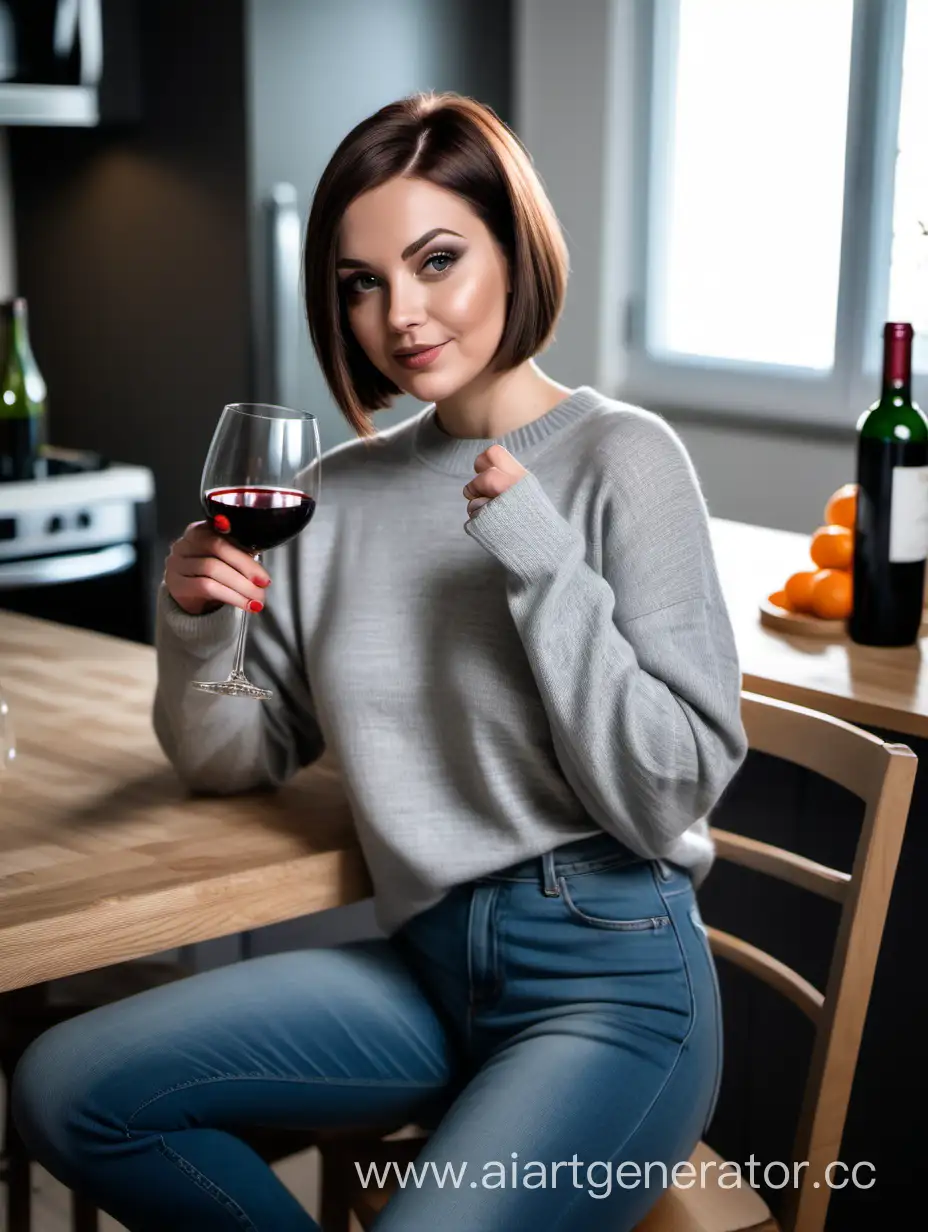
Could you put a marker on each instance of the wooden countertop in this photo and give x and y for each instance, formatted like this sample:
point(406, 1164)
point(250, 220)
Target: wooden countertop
point(103, 855)
point(880, 687)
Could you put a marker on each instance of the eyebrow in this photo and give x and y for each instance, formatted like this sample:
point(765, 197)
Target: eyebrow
point(349, 263)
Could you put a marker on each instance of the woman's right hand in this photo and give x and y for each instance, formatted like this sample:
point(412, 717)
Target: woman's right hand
point(204, 571)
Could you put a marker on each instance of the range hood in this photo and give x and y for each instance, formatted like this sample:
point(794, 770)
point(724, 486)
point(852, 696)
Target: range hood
point(68, 63)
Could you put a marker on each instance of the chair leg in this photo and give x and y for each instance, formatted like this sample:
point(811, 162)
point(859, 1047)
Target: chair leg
point(18, 1179)
point(85, 1217)
point(338, 1183)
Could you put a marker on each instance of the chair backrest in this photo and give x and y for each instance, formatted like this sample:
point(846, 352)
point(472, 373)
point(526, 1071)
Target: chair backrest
point(882, 775)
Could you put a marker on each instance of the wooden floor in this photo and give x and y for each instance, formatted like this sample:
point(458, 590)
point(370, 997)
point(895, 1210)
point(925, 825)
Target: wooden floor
point(51, 1203)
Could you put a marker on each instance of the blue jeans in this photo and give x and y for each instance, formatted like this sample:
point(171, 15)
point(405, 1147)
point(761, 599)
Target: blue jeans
point(557, 1023)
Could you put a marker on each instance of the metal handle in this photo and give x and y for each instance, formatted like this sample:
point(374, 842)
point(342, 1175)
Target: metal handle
point(283, 281)
point(51, 570)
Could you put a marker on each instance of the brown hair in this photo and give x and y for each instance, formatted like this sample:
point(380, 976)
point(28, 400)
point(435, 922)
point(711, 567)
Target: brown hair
point(460, 145)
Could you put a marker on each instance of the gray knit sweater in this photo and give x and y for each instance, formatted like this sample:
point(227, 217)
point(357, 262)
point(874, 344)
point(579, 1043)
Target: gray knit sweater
point(561, 663)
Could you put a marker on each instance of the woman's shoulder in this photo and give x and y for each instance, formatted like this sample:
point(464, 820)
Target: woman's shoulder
point(358, 456)
point(622, 433)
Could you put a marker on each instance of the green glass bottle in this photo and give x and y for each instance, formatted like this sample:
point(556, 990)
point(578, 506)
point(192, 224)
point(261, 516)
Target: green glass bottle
point(23, 427)
point(891, 530)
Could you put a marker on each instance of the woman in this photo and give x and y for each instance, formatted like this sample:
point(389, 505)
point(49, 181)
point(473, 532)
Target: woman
point(533, 717)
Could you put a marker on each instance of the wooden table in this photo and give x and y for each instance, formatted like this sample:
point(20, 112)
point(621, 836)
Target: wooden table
point(879, 687)
point(103, 854)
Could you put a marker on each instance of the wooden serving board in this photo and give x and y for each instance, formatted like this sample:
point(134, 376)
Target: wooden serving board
point(776, 617)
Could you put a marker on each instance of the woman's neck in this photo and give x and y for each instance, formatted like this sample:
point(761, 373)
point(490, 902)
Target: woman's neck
point(498, 403)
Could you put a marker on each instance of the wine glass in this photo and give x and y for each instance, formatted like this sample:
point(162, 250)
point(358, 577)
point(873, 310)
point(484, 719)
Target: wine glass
point(7, 740)
point(259, 488)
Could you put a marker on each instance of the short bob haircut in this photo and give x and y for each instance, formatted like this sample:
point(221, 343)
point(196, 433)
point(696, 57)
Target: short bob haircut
point(462, 146)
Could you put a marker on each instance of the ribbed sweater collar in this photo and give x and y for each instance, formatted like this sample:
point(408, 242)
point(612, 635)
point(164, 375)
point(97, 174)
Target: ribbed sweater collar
point(455, 455)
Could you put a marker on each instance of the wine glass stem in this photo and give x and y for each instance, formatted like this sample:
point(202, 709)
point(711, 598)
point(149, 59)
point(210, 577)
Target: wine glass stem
point(238, 664)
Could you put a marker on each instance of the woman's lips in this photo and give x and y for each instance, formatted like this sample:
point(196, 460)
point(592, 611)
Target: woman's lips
point(423, 359)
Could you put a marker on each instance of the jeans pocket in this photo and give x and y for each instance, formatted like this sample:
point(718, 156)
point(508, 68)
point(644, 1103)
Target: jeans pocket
point(615, 898)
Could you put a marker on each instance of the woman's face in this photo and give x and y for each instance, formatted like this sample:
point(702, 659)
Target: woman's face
point(450, 291)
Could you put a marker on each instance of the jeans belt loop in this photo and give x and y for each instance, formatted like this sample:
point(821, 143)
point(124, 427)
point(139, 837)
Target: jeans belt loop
point(550, 875)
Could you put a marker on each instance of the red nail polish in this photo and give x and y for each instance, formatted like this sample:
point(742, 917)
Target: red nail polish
point(261, 581)
point(221, 523)
point(255, 606)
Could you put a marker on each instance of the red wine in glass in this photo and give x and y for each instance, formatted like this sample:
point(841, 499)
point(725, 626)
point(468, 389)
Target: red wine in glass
point(259, 518)
point(259, 489)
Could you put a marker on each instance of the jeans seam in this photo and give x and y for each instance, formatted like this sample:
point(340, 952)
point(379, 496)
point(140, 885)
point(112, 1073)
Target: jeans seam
point(469, 1030)
point(209, 1187)
point(259, 1077)
point(681, 1048)
point(683, 955)
point(569, 1211)
point(495, 922)
point(696, 919)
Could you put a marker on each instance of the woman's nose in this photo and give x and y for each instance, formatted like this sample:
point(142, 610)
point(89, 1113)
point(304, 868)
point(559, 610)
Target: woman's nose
point(406, 307)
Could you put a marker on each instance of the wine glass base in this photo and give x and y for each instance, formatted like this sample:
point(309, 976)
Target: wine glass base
point(233, 688)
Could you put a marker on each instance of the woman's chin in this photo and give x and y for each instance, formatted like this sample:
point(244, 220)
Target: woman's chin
point(427, 385)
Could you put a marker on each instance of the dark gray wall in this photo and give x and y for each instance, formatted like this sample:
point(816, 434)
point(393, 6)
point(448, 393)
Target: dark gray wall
point(140, 249)
point(131, 249)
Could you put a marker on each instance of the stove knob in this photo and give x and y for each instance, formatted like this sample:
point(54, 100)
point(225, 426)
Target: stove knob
point(84, 519)
point(54, 525)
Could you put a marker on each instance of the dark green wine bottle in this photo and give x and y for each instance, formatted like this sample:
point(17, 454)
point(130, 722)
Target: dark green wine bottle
point(891, 530)
point(23, 426)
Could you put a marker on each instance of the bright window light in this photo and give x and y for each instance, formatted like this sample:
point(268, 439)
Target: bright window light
point(749, 225)
point(908, 279)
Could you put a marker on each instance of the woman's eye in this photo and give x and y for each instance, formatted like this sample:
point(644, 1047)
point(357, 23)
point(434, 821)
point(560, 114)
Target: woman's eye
point(352, 285)
point(442, 256)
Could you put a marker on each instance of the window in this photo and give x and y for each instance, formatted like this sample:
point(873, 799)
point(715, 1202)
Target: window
point(784, 211)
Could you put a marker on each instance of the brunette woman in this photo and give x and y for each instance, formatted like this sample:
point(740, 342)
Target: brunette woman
point(506, 623)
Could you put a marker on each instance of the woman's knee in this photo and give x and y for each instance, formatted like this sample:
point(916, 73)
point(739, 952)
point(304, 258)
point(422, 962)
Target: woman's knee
point(56, 1093)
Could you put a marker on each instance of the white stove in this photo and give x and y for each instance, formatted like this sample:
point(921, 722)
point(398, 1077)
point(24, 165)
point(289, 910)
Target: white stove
point(86, 521)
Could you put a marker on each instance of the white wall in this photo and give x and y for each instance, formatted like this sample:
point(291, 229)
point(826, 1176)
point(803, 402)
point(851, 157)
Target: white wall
point(574, 87)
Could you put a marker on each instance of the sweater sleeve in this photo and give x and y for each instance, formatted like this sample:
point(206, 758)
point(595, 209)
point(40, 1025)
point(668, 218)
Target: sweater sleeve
point(635, 660)
point(221, 745)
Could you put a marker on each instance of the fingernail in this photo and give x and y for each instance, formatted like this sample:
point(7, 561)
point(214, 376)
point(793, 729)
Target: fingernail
point(255, 606)
point(261, 581)
point(477, 503)
point(221, 523)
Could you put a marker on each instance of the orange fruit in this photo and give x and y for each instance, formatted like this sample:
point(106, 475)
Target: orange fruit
point(798, 590)
point(832, 547)
point(832, 594)
point(779, 598)
point(841, 508)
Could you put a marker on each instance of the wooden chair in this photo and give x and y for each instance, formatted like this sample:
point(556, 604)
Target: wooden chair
point(880, 774)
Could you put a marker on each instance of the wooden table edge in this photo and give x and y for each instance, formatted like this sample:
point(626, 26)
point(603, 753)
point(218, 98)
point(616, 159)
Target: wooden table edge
point(114, 929)
point(851, 709)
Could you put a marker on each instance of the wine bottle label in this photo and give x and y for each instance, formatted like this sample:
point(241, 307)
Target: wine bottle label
point(908, 525)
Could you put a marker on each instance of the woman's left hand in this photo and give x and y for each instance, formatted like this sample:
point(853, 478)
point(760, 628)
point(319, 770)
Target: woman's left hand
point(496, 470)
